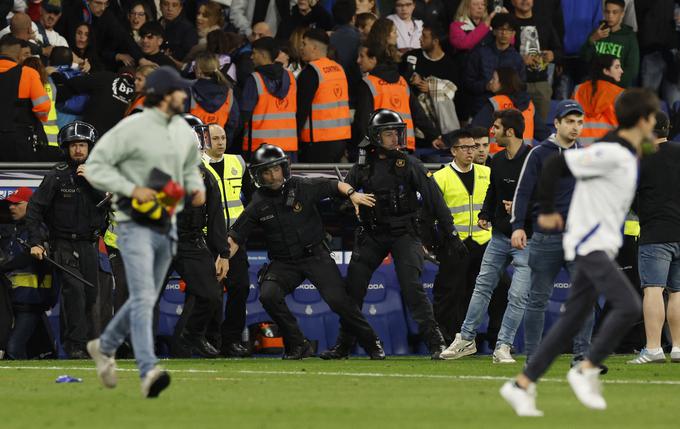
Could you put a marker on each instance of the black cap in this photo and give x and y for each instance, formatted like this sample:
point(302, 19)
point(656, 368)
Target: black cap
point(152, 27)
point(663, 125)
point(51, 6)
point(318, 35)
point(164, 80)
point(268, 45)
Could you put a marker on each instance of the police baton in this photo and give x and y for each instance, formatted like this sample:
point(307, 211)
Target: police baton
point(24, 244)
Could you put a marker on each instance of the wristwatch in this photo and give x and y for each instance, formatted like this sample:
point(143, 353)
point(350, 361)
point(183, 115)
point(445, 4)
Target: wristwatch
point(350, 191)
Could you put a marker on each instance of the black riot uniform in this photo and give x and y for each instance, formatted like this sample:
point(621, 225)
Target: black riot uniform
point(296, 248)
point(395, 179)
point(67, 204)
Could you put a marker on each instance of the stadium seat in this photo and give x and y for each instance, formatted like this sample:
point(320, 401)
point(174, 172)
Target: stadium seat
point(316, 320)
point(170, 308)
point(55, 329)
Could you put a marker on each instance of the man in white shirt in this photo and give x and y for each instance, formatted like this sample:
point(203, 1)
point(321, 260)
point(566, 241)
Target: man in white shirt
point(409, 30)
point(50, 12)
point(606, 180)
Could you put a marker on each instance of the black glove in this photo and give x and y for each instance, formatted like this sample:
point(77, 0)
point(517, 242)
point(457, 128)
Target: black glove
point(455, 247)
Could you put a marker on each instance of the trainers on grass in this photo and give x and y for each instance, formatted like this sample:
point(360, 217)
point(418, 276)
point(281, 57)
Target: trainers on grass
point(587, 386)
point(646, 357)
point(106, 365)
point(459, 348)
point(502, 354)
point(521, 400)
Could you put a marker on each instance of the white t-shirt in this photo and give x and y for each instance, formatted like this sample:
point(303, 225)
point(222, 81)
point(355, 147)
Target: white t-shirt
point(606, 179)
point(408, 34)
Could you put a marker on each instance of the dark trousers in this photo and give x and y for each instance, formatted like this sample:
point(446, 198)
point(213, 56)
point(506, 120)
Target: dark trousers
point(594, 274)
point(407, 252)
point(238, 287)
point(25, 323)
point(281, 279)
point(120, 294)
point(196, 265)
point(17, 146)
point(321, 152)
point(453, 287)
point(77, 299)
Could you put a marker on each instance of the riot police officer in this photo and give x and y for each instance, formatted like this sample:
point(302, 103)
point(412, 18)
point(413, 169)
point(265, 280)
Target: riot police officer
point(285, 207)
point(75, 215)
point(202, 233)
point(395, 179)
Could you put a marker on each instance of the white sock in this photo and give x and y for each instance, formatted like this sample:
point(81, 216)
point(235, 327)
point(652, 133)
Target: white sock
point(655, 351)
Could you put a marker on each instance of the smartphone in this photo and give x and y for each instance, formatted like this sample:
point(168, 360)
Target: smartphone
point(603, 25)
point(497, 5)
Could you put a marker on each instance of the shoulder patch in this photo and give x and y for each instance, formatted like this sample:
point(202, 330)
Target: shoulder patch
point(429, 173)
point(400, 163)
point(61, 166)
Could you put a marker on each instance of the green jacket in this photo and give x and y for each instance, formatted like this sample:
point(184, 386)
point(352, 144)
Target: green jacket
point(623, 45)
point(124, 157)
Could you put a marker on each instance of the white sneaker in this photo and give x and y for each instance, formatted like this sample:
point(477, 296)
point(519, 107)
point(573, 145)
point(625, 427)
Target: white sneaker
point(154, 382)
point(675, 354)
point(522, 401)
point(587, 386)
point(459, 348)
point(106, 365)
point(502, 354)
point(646, 357)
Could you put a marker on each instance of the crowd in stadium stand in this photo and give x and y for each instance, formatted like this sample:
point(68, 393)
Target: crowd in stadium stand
point(307, 76)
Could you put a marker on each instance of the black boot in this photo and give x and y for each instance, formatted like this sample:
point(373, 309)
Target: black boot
point(375, 350)
point(300, 351)
point(341, 350)
point(200, 346)
point(235, 350)
point(435, 343)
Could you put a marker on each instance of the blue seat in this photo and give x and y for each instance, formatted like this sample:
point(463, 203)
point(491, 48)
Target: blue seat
point(170, 306)
point(315, 318)
point(55, 329)
point(255, 313)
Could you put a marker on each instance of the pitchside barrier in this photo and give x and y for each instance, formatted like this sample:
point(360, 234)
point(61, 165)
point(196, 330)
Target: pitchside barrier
point(383, 306)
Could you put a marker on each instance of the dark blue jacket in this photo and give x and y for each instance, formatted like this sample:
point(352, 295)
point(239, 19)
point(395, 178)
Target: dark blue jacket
point(482, 62)
point(211, 96)
point(524, 199)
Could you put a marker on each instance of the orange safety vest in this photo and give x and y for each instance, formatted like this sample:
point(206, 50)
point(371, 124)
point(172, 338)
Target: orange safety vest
point(393, 96)
point(329, 119)
point(600, 117)
point(137, 104)
point(219, 117)
point(273, 118)
point(503, 102)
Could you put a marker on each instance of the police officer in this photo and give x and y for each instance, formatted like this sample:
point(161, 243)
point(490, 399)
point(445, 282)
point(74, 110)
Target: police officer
point(228, 171)
point(68, 205)
point(285, 207)
point(202, 233)
point(395, 179)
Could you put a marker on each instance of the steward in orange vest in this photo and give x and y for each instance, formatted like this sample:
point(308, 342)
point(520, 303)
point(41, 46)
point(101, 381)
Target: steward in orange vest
point(323, 117)
point(598, 104)
point(269, 101)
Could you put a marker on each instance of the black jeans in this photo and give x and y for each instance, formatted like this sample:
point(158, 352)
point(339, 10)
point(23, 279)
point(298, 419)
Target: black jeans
point(281, 279)
point(594, 274)
point(238, 287)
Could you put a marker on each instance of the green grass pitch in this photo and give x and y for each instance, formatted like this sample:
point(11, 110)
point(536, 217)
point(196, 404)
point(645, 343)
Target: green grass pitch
point(404, 392)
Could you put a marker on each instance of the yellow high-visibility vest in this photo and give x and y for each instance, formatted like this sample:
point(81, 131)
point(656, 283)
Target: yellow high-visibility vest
point(632, 225)
point(50, 126)
point(464, 207)
point(230, 188)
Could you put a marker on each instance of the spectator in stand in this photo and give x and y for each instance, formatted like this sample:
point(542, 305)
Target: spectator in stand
point(50, 12)
point(22, 28)
point(364, 22)
point(212, 97)
point(345, 40)
point(490, 56)
point(85, 50)
point(658, 38)
point(140, 13)
point(580, 19)
point(510, 93)
point(471, 24)
point(366, 6)
point(307, 13)
point(245, 13)
point(180, 35)
point(23, 103)
point(408, 29)
point(260, 29)
point(431, 59)
point(323, 117)
point(152, 37)
point(384, 32)
point(137, 103)
point(598, 95)
point(613, 37)
point(539, 46)
point(431, 12)
point(209, 18)
point(221, 44)
point(295, 63)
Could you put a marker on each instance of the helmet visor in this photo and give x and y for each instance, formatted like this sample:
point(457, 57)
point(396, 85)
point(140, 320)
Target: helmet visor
point(271, 175)
point(391, 137)
point(203, 136)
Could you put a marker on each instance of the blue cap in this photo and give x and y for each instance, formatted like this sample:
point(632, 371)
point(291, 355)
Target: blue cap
point(164, 80)
point(566, 107)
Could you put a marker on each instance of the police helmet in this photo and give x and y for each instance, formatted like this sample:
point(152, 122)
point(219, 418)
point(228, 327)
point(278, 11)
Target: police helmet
point(384, 120)
point(202, 131)
point(265, 157)
point(76, 131)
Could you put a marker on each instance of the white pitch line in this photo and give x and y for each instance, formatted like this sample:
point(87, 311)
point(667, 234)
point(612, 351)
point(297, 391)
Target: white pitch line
point(76, 368)
point(447, 377)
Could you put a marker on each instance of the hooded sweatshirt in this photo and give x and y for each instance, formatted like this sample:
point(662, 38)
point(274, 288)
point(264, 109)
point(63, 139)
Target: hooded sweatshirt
point(211, 96)
point(623, 45)
point(277, 81)
point(525, 203)
point(598, 107)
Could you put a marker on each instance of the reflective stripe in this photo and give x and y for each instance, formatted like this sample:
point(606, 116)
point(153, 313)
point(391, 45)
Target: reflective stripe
point(459, 209)
point(49, 123)
point(332, 105)
point(40, 100)
point(233, 204)
point(41, 114)
point(30, 280)
point(264, 134)
point(272, 116)
point(331, 123)
point(598, 125)
point(474, 228)
point(258, 83)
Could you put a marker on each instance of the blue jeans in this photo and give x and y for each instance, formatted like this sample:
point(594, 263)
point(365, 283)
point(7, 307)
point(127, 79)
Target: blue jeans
point(546, 258)
point(147, 255)
point(24, 326)
point(499, 252)
point(654, 76)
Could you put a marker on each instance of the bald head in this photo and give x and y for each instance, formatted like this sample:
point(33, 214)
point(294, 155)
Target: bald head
point(20, 26)
point(260, 30)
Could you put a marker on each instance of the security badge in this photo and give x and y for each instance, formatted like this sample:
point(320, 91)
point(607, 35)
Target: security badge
point(297, 207)
point(400, 163)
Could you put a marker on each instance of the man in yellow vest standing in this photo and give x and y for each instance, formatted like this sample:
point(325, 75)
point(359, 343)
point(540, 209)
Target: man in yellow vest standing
point(228, 170)
point(323, 118)
point(464, 186)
